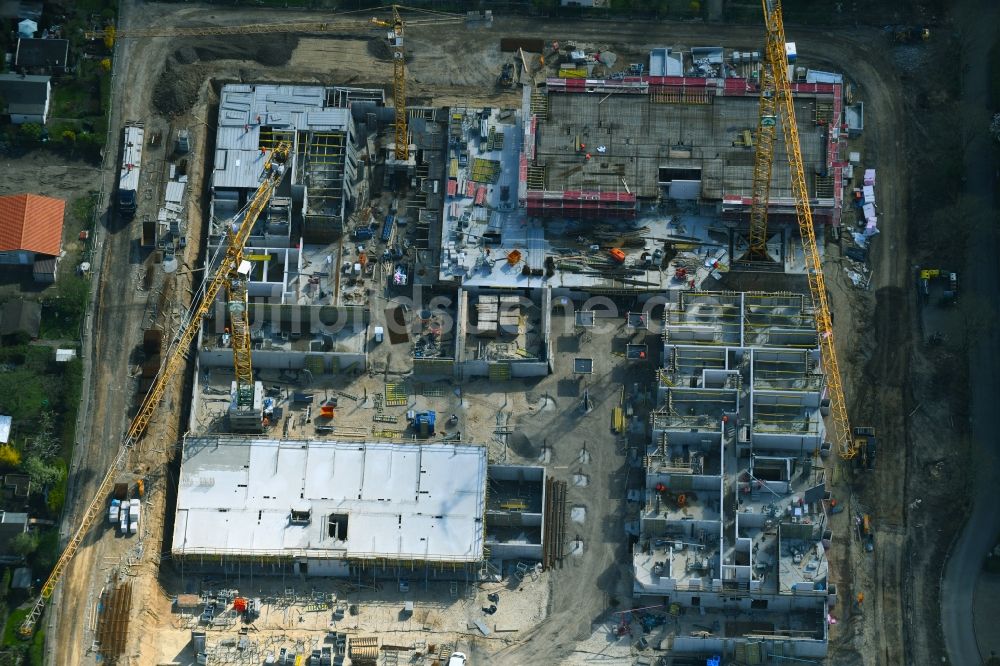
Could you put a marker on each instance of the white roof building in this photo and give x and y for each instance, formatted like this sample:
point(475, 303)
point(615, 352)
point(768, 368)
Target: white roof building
point(331, 500)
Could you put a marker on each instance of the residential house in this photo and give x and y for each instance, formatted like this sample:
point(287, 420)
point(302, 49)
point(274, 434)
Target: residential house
point(26, 97)
point(31, 228)
point(41, 56)
point(20, 317)
point(11, 524)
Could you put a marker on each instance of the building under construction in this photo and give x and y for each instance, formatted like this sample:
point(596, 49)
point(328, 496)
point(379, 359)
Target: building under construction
point(655, 166)
point(734, 516)
point(330, 508)
point(327, 169)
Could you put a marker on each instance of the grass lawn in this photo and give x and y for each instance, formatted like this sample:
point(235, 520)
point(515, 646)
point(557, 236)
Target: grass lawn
point(75, 99)
point(35, 649)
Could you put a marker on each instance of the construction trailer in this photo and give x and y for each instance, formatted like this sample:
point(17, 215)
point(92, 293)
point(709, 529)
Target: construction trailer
point(133, 136)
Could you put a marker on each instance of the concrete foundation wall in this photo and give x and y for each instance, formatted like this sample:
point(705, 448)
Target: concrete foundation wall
point(706, 438)
point(284, 360)
point(800, 445)
point(514, 551)
point(516, 473)
point(529, 369)
point(727, 646)
point(327, 568)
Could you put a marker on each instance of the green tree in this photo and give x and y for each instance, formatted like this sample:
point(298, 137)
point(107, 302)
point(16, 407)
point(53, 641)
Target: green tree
point(44, 444)
point(24, 544)
point(31, 131)
point(40, 472)
point(48, 550)
point(22, 395)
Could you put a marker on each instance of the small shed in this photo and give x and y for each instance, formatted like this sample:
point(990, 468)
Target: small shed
point(21, 317)
point(65, 355)
point(11, 524)
point(21, 579)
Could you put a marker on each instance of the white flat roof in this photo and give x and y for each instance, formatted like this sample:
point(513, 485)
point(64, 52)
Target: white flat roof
point(402, 501)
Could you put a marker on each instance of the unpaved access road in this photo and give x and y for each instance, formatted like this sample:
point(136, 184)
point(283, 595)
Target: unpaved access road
point(449, 64)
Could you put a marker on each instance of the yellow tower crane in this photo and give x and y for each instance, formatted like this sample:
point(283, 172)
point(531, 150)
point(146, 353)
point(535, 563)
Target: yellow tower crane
point(395, 36)
point(220, 275)
point(396, 25)
point(775, 97)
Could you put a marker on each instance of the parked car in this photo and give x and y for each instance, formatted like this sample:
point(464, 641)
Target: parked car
point(379, 334)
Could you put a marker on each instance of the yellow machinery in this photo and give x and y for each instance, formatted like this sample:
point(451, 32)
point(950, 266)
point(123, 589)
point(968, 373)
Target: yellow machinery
point(221, 274)
point(402, 148)
point(396, 28)
point(775, 97)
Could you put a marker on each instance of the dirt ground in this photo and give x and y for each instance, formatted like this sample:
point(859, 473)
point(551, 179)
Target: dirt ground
point(884, 373)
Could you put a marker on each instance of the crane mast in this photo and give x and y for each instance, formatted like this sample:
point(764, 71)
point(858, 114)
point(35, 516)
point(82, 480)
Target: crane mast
point(764, 158)
point(274, 170)
point(777, 63)
point(402, 135)
point(237, 304)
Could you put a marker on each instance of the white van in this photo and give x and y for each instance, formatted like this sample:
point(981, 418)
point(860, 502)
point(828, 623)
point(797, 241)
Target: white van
point(379, 334)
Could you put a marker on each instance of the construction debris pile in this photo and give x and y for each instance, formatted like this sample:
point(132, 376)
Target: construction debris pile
point(432, 340)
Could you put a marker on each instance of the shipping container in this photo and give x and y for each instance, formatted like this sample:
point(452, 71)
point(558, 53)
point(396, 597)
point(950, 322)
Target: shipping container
point(148, 233)
point(387, 228)
point(113, 511)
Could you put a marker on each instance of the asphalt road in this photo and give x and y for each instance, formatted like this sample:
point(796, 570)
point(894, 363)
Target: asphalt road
point(978, 19)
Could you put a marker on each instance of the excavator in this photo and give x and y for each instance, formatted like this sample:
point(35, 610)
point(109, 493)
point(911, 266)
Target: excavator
point(227, 270)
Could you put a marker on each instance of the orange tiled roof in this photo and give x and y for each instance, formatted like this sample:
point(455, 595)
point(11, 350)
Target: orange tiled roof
point(31, 222)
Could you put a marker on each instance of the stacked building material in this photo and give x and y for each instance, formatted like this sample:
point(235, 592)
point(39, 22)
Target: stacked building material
point(487, 315)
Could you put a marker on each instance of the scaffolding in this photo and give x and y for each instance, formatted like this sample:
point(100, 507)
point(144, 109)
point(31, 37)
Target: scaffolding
point(582, 204)
point(323, 168)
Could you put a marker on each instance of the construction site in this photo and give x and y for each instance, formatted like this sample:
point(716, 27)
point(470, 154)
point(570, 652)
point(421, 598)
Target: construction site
point(525, 361)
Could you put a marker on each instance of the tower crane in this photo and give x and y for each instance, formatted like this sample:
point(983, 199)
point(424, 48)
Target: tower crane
point(225, 270)
point(396, 28)
point(775, 97)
